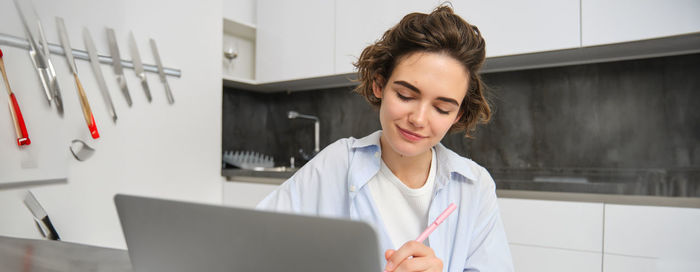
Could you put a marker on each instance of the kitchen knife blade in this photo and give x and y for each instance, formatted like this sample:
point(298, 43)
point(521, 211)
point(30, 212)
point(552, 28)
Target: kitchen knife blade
point(95, 62)
point(138, 65)
point(117, 64)
point(65, 42)
point(161, 72)
point(41, 60)
point(84, 103)
point(40, 217)
point(55, 90)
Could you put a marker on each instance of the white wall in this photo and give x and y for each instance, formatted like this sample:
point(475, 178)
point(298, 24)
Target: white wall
point(241, 10)
point(155, 149)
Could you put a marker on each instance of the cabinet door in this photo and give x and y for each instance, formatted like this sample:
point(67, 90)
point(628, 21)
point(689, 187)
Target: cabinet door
point(360, 23)
point(615, 21)
point(513, 27)
point(553, 224)
point(545, 259)
point(295, 39)
point(665, 238)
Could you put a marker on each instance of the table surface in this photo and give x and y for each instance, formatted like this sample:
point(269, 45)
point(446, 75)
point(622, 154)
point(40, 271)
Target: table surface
point(30, 255)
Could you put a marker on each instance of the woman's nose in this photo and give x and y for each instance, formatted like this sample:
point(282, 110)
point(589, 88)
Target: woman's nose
point(417, 117)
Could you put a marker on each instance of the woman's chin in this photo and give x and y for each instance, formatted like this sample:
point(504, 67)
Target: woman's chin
point(410, 149)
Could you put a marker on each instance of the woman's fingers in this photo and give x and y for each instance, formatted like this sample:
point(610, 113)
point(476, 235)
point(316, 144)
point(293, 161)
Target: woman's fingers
point(430, 263)
point(409, 249)
point(388, 253)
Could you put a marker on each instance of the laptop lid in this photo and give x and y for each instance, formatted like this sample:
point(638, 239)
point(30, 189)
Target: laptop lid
point(173, 236)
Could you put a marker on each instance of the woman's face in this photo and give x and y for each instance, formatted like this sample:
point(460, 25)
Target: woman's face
point(421, 101)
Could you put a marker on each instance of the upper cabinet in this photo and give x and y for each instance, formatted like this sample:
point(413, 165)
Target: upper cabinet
point(312, 44)
point(360, 23)
point(295, 39)
point(616, 21)
point(519, 27)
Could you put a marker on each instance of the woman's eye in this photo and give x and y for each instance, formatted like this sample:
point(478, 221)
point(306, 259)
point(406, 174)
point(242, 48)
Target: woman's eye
point(404, 98)
point(440, 111)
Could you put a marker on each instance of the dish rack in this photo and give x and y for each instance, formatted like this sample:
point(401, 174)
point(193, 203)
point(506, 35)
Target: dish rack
point(248, 159)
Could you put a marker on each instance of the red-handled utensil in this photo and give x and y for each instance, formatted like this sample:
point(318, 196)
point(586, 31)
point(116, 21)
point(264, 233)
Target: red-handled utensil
point(17, 119)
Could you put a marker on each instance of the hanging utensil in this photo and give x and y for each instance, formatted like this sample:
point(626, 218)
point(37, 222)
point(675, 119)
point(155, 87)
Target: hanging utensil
point(95, 62)
point(17, 119)
point(41, 218)
point(80, 150)
point(41, 59)
point(161, 72)
point(85, 105)
point(117, 64)
point(138, 65)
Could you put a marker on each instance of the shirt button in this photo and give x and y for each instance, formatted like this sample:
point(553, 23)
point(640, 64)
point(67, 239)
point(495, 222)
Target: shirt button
point(376, 154)
point(352, 188)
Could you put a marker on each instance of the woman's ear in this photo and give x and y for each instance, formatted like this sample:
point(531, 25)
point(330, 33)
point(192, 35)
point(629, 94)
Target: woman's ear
point(376, 88)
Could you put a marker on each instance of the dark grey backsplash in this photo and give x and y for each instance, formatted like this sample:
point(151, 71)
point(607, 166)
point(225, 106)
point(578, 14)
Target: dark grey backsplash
point(258, 122)
point(635, 122)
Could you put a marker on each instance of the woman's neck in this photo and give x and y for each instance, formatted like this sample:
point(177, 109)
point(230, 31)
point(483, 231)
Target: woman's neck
point(412, 171)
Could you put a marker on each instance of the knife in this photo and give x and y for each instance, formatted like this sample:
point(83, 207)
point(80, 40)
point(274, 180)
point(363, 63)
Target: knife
point(95, 62)
point(41, 218)
point(41, 61)
point(161, 72)
point(17, 119)
point(117, 64)
point(84, 104)
point(138, 65)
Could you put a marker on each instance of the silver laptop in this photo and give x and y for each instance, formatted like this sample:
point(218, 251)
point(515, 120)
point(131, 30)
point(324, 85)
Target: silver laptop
point(173, 236)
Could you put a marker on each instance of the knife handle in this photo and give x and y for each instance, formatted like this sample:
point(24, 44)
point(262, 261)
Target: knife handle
point(18, 120)
point(87, 113)
point(53, 234)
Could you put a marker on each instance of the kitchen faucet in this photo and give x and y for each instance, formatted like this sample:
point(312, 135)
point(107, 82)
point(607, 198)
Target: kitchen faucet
point(317, 128)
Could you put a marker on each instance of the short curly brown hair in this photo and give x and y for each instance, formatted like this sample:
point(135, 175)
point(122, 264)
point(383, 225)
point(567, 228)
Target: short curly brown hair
point(441, 31)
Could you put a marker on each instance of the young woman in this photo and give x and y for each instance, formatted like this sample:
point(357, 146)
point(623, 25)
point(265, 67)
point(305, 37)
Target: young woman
point(423, 76)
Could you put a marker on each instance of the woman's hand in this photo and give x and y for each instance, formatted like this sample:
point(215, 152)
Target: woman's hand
point(412, 256)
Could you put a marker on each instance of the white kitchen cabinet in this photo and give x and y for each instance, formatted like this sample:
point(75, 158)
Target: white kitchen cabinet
point(616, 21)
point(620, 263)
point(360, 23)
point(513, 27)
point(240, 11)
point(666, 238)
point(555, 224)
point(295, 39)
point(509, 27)
point(245, 194)
point(543, 259)
point(239, 39)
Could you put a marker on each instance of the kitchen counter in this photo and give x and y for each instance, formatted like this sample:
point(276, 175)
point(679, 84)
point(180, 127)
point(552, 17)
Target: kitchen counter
point(627, 187)
point(262, 177)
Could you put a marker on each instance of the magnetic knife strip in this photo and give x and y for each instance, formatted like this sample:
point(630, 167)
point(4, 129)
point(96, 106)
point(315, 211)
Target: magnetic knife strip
point(20, 42)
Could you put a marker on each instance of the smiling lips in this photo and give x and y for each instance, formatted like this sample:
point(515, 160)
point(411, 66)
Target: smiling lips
point(410, 136)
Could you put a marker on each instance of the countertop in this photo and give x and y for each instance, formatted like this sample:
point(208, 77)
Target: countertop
point(627, 187)
point(29, 255)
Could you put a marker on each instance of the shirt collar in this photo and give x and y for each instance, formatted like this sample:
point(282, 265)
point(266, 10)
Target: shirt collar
point(448, 162)
point(369, 140)
point(454, 163)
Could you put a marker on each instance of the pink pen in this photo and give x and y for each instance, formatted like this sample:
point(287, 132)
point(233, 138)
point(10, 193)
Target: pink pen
point(451, 208)
point(437, 222)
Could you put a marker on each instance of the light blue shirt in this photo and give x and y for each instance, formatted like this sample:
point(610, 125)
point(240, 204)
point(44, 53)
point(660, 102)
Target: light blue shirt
point(333, 184)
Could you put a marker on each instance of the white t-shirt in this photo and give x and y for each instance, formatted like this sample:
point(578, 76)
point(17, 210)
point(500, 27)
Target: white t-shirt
point(404, 210)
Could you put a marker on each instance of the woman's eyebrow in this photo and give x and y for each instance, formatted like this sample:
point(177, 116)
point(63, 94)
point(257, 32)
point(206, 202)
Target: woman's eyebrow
point(416, 90)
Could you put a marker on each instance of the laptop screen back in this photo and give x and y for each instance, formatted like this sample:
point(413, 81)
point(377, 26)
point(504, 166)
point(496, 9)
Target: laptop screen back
point(164, 235)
